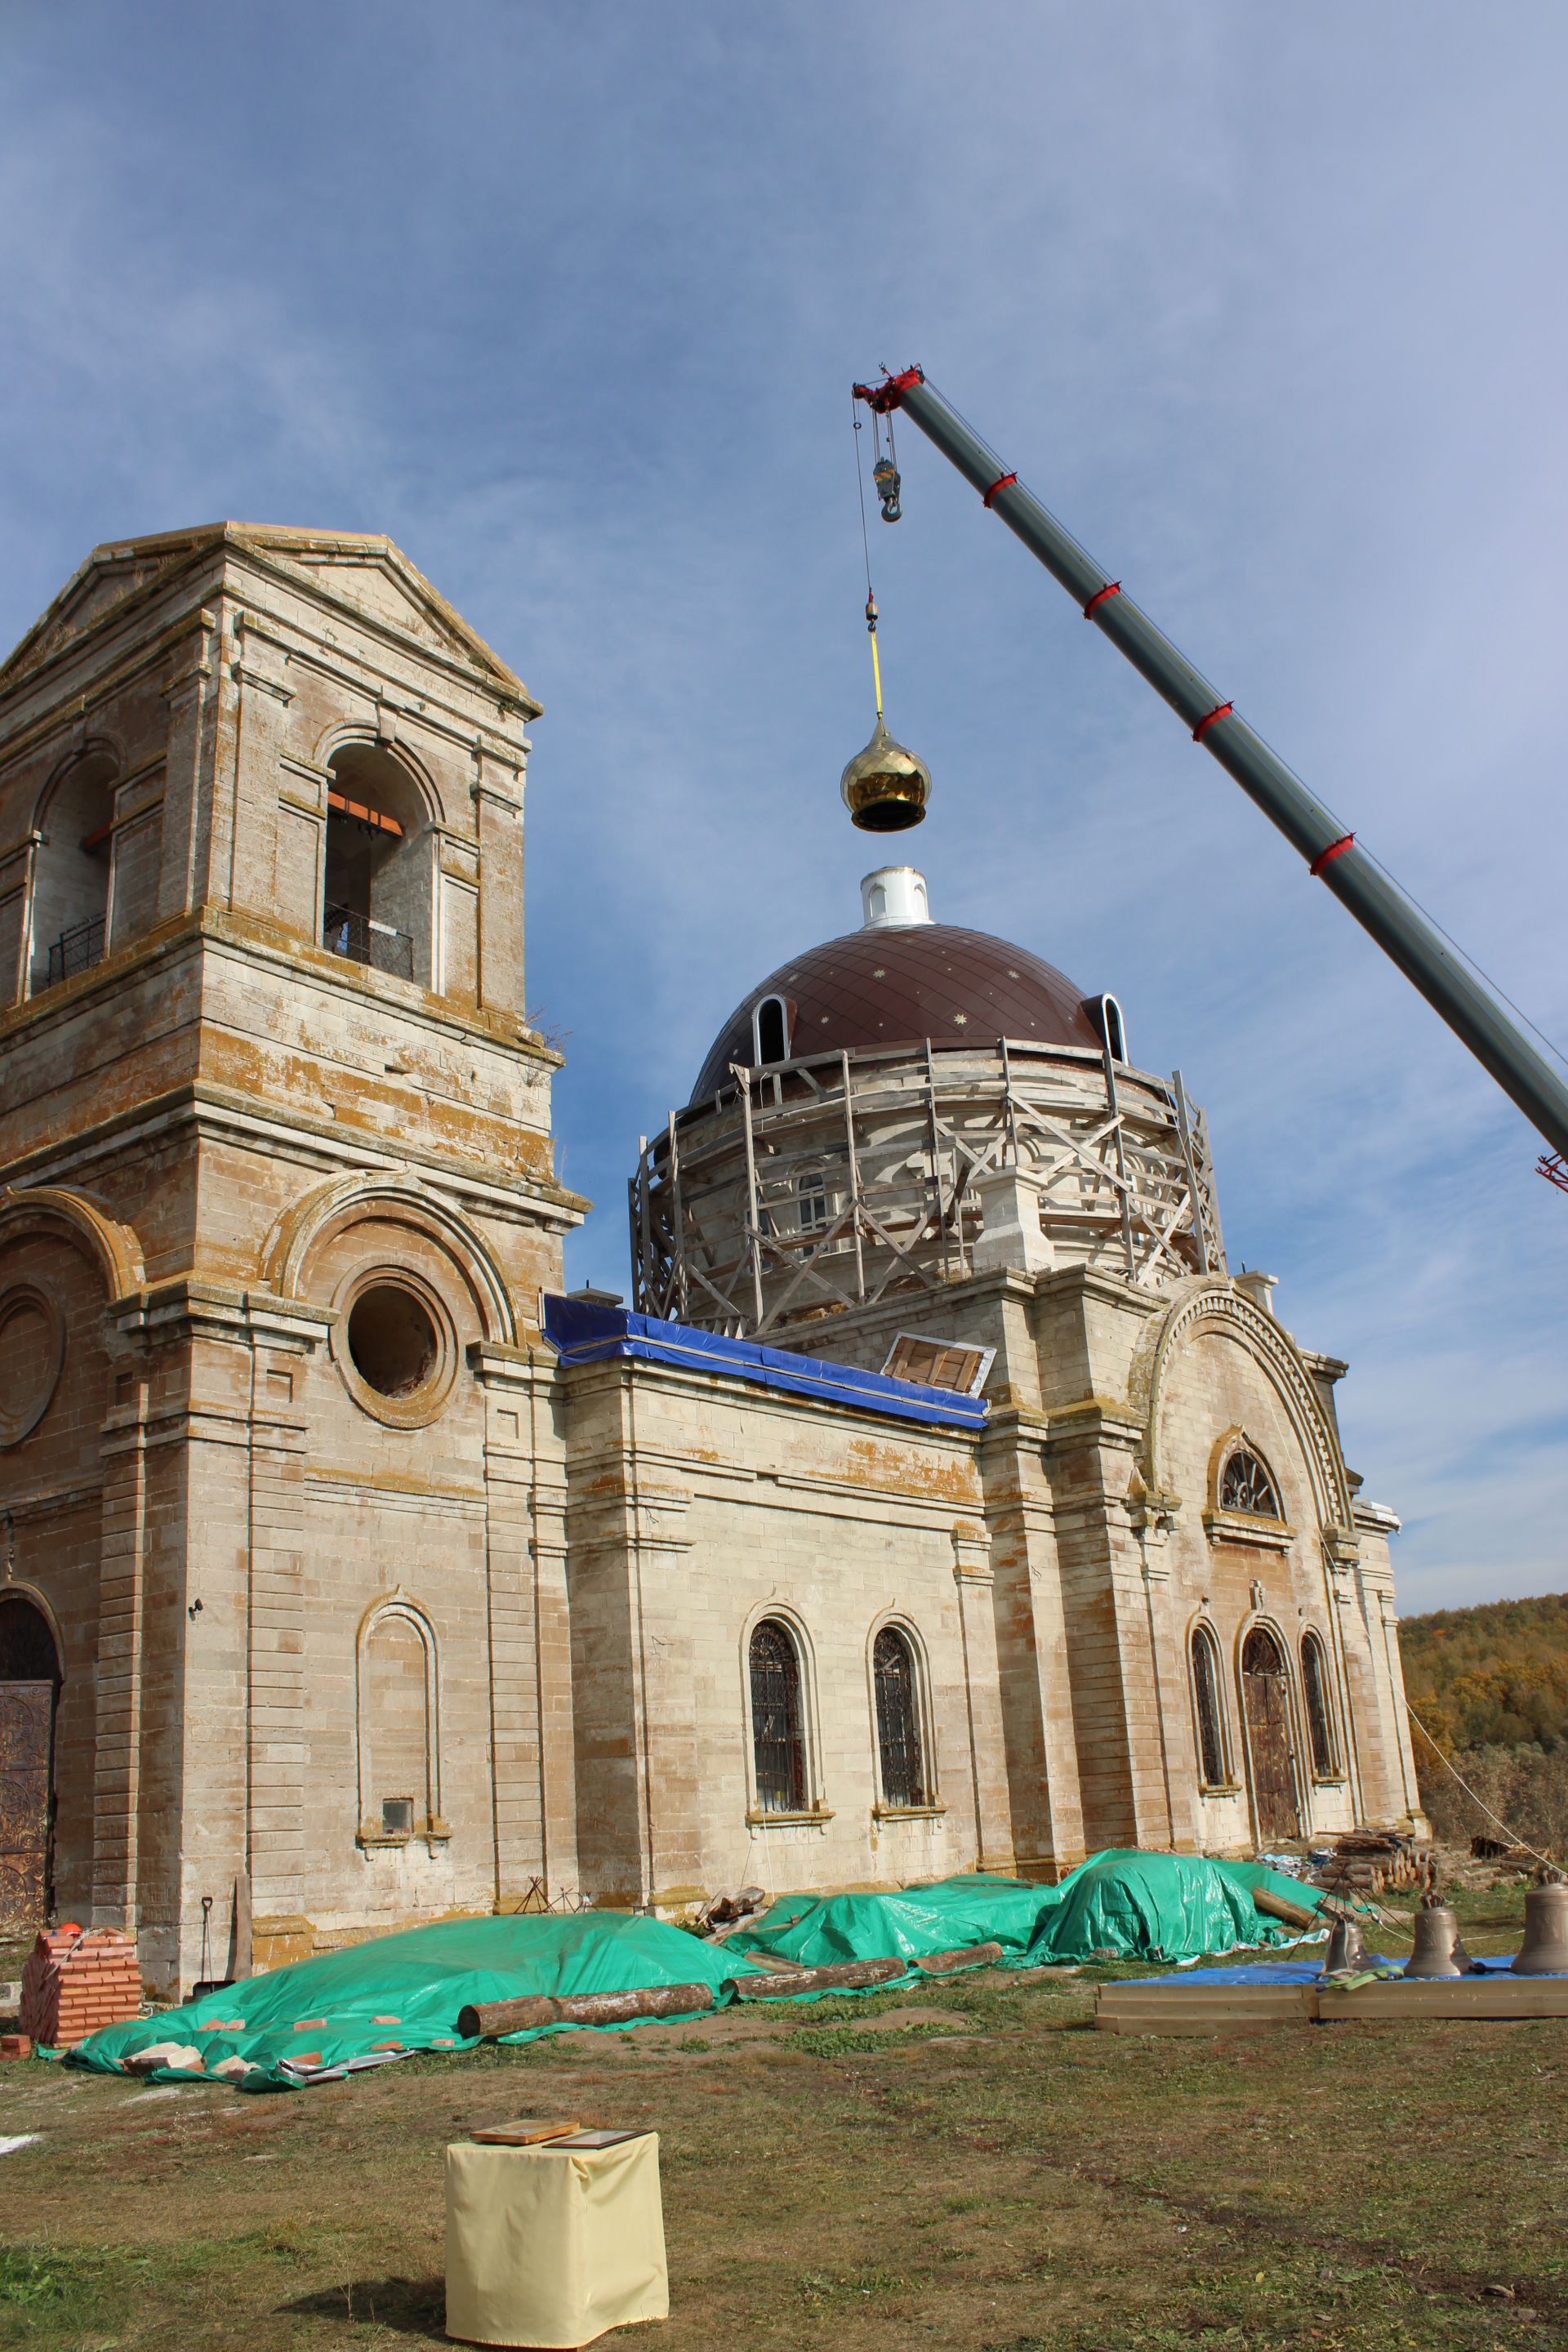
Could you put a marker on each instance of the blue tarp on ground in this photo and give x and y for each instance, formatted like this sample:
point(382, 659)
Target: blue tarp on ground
point(581, 1331)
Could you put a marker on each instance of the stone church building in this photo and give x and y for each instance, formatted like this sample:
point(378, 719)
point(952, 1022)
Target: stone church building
point(942, 1501)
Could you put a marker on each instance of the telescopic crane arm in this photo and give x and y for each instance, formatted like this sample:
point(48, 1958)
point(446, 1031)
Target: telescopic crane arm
point(1403, 933)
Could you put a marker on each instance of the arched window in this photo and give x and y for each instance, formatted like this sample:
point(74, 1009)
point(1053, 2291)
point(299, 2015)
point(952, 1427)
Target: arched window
point(376, 903)
point(1207, 1708)
point(399, 1764)
point(1320, 1719)
point(1246, 1485)
point(770, 1031)
point(70, 887)
point(778, 1743)
point(811, 1201)
point(901, 1763)
point(1113, 1028)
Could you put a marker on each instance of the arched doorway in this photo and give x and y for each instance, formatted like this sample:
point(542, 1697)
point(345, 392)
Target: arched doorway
point(1266, 1702)
point(29, 1686)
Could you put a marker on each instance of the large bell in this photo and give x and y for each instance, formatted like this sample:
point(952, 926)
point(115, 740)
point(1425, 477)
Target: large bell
point(1544, 1951)
point(1437, 1951)
point(885, 788)
point(1347, 1946)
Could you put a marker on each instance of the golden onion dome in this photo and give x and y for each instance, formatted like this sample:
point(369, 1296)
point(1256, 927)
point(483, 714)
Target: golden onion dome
point(885, 788)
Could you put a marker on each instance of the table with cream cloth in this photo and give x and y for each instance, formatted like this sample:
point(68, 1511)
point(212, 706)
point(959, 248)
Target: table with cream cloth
point(550, 2246)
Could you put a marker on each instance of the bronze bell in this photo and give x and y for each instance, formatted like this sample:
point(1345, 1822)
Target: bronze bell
point(885, 788)
point(1544, 1951)
point(1437, 1951)
point(1347, 1946)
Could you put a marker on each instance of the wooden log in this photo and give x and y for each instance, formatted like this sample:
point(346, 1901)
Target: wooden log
point(848, 1976)
point(1276, 1906)
point(533, 2010)
point(963, 1956)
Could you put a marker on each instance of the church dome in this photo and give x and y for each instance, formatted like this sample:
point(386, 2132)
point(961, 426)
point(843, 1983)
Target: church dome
point(899, 981)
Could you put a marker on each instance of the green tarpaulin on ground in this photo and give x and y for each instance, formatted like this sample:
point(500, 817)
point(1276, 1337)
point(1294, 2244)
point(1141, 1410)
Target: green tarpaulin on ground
point(1137, 1907)
point(375, 2001)
point(372, 2001)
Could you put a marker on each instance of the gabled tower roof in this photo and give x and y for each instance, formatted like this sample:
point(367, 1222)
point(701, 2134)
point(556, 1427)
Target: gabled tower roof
point(368, 571)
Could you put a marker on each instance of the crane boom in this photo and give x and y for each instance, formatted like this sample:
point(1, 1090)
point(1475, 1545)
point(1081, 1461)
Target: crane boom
point(1421, 953)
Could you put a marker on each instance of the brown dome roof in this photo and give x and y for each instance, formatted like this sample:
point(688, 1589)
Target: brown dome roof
point(898, 986)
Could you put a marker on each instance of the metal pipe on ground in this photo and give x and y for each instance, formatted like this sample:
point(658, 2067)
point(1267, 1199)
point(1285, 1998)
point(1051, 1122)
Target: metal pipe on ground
point(488, 2019)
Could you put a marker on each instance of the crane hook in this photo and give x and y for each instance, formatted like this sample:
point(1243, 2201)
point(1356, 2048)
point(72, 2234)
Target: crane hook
point(885, 474)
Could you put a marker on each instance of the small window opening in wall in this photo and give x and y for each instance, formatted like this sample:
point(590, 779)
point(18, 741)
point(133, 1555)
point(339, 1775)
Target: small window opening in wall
point(898, 1720)
point(778, 1743)
point(375, 895)
point(770, 1031)
point(398, 1816)
point(1113, 1028)
point(1205, 1695)
point(392, 1340)
point(811, 1201)
point(1246, 1485)
point(1319, 1725)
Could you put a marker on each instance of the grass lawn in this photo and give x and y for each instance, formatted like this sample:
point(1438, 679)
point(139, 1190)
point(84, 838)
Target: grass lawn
point(969, 2166)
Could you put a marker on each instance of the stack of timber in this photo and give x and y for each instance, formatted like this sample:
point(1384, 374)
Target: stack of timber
point(1366, 1861)
point(76, 1981)
point(1153, 2006)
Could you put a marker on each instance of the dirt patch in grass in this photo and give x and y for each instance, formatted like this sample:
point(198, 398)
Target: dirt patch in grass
point(976, 2169)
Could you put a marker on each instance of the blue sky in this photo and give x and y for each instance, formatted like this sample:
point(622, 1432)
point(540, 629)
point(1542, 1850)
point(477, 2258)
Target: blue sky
point(1266, 304)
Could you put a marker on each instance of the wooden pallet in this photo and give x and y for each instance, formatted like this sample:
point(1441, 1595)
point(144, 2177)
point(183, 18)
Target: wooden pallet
point(1249, 2009)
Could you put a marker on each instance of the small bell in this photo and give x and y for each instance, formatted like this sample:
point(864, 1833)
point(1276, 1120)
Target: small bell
point(1437, 1951)
point(1544, 1951)
point(1347, 1947)
point(885, 788)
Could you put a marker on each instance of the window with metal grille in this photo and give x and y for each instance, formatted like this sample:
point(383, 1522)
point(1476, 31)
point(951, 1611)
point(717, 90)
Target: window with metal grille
point(1246, 1485)
point(1206, 1703)
point(1320, 1722)
point(898, 1719)
point(777, 1744)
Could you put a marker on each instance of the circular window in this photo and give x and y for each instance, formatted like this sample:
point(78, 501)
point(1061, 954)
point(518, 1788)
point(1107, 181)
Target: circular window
point(32, 1344)
point(393, 1340)
point(396, 1345)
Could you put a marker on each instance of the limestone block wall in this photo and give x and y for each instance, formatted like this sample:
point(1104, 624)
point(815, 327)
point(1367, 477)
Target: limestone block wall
point(697, 1508)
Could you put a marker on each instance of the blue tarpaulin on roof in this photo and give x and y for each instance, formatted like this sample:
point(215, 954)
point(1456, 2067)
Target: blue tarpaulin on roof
point(581, 1331)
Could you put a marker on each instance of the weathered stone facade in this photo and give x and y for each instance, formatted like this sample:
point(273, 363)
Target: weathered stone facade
point(363, 1607)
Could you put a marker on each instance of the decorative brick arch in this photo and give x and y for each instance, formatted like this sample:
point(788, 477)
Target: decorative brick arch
point(344, 733)
point(72, 1216)
point(1218, 1305)
point(305, 1229)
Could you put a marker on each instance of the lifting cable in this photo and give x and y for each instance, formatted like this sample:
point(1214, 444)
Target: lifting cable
point(1512, 1835)
point(866, 546)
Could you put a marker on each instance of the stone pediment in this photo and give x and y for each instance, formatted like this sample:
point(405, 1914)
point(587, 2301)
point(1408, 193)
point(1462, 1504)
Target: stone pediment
point(362, 570)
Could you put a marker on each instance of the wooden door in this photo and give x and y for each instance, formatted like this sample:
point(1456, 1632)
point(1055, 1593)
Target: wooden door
point(1263, 1696)
point(27, 1735)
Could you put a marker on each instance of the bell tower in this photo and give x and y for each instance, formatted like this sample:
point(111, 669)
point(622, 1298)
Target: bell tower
point(277, 1205)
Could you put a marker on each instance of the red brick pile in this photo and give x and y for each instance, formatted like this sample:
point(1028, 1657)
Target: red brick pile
point(76, 1981)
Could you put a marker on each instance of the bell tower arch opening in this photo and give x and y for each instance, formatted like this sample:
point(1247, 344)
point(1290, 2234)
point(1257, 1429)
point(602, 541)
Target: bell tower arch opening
point(377, 904)
point(70, 883)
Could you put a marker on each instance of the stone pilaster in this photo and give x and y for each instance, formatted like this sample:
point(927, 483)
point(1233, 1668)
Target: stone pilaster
point(973, 1575)
point(185, 699)
point(261, 727)
point(1040, 1745)
point(498, 802)
point(117, 1789)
